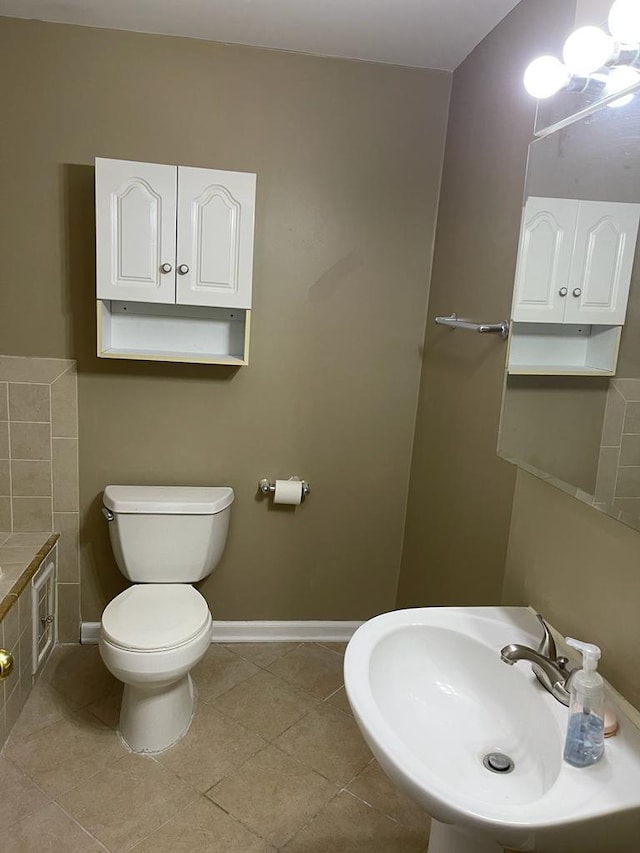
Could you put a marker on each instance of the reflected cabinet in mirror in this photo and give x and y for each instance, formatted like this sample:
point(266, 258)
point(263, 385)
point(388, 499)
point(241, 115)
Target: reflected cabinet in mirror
point(571, 403)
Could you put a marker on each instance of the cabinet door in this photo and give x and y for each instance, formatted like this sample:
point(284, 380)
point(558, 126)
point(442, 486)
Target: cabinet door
point(605, 243)
point(43, 611)
point(135, 231)
point(544, 260)
point(215, 237)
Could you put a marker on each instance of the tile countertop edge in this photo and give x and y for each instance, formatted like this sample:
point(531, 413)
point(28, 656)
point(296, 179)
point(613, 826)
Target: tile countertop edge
point(11, 597)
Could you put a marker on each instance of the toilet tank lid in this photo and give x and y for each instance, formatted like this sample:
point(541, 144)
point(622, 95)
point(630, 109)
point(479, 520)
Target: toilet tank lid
point(168, 500)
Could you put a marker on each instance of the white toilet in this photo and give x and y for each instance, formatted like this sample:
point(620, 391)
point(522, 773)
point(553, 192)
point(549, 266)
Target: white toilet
point(164, 538)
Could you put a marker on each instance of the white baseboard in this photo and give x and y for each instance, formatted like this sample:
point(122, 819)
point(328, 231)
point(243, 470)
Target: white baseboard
point(260, 632)
point(89, 633)
point(283, 632)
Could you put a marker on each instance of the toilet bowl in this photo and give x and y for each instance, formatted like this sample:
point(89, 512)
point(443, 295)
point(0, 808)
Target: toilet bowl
point(151, 637)
point(154, 633)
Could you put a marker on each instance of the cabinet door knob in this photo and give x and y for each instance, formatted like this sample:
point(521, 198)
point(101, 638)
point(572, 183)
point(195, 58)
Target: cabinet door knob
point(166, 268)
point(563, 291)
point(183, 269)
point(576, 291)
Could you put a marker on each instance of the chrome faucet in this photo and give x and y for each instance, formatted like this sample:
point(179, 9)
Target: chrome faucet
point(549, 668)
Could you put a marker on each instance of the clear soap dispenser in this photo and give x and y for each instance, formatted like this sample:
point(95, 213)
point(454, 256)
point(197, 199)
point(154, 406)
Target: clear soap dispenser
point(585, 731)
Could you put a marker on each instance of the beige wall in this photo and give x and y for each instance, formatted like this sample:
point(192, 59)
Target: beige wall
point(348, 157)
point(460, 492)
point(580, 568)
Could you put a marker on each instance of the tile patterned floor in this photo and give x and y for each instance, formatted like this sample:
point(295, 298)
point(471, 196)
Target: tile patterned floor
point(273, 762)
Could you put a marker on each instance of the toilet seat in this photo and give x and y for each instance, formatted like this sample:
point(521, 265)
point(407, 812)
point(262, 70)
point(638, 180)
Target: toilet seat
point(155, 617)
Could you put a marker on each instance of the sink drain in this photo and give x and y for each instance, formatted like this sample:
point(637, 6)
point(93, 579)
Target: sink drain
point(498, 762)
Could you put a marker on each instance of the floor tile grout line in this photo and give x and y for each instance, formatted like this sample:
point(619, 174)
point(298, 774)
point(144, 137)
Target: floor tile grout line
point(84, 782)
point(380, 811)
point(289, 684)
point(234, 770)
point(310, 821)
point(55, 797)
point(239, 819)
point(286, 755)
point(29, 777)
point(206, 799)
point(279, 657)
point(271, 742)
point(305, 695)
point(106, 767)
point(49, 798)
point(337, 690)
point(85, 708)
point(248, 660)
point(73, 711)
point(334, 651)
point(160, 825)
point(337, 787)
point(82, 826)
point(355, 776)
point(268, 740)
point(291, 837)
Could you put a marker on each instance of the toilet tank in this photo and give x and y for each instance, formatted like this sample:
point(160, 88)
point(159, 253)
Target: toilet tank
point(167, 534)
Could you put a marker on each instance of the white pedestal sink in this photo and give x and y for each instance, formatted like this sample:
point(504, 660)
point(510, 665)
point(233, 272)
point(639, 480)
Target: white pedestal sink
point(432, 699)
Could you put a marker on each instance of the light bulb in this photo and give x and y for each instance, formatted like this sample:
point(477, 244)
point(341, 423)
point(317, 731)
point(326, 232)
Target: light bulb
point(621, 78)
point(586, 50)
point(624, 21)
point(545, 76)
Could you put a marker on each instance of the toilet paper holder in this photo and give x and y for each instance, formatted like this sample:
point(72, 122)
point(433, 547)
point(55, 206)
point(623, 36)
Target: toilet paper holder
point(268, 488)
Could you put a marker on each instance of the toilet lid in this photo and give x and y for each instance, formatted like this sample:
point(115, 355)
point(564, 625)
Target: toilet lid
point(151, 617)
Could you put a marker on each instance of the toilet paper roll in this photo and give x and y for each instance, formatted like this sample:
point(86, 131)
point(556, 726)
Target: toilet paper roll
point(288, 492)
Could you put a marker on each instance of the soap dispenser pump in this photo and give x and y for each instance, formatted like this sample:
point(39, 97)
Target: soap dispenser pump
point(585, 730)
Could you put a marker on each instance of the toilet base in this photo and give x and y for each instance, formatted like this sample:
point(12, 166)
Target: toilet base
point(153, 719)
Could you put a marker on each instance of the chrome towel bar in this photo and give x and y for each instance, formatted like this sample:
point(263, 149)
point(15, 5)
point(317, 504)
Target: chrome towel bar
point(453, 322)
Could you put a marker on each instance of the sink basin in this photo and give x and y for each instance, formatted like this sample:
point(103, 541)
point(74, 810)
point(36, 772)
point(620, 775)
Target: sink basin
point(432, 699)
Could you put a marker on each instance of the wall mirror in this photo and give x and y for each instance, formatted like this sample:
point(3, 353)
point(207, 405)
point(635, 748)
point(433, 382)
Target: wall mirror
point(582, 432)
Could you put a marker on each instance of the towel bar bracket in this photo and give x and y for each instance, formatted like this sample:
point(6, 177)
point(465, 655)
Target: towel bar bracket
point(453, 322)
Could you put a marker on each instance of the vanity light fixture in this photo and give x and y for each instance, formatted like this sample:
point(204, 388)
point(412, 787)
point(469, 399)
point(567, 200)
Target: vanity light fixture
point(586, 50)
point(624, 21)
point(545, 76)
point(618, 79)
point(594, 61)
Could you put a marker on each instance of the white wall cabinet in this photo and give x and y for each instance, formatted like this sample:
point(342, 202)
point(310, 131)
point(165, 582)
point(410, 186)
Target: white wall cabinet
point(214, 261)
point(173, 236)
point(544, 260)
point(574, 261)
point(603, 253)
point(135, 231)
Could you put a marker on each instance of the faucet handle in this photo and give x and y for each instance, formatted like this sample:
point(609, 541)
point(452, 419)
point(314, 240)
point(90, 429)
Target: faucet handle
point(547, 645)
